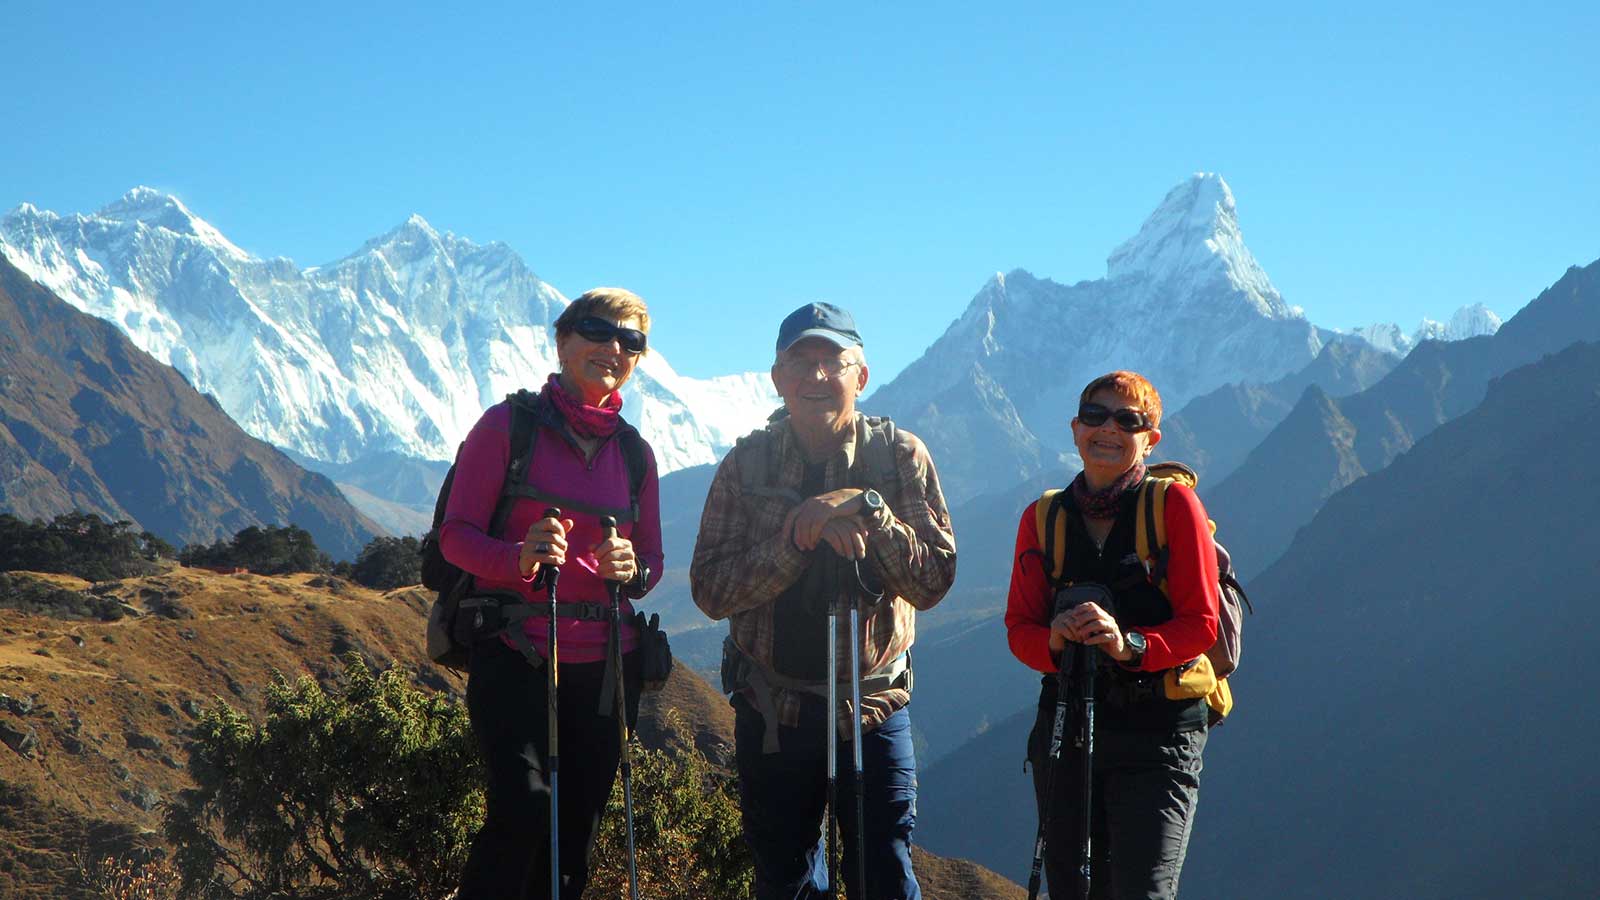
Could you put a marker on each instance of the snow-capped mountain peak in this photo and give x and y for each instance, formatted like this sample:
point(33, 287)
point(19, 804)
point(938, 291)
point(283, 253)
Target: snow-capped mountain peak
point(157, 209)
point(1193, 239)
point(1467, 322)
point(1471, 321)
point(396, 348)
point(1014, 361)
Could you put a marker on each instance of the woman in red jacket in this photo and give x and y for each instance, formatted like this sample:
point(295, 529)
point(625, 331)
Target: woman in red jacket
point(1146, 759)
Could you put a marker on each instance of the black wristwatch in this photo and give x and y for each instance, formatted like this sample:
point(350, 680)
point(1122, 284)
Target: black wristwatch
point(1137, 643)
point(872, 506)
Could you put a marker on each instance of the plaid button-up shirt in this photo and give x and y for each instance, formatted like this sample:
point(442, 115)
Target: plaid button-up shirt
point(744, 559)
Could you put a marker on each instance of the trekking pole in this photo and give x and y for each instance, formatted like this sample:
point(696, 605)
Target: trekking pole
point(552, 687)
point(609, 525)
point(855, 736)
point(1057, 727)
point(830, 844)
point(1088, 664)
point(1078, 665)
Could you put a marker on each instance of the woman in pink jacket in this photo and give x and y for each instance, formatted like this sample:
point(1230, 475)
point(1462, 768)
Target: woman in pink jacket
point(579, 463)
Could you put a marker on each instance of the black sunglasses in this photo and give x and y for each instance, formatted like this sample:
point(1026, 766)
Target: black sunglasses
point(594, 328)
point(1127, 418)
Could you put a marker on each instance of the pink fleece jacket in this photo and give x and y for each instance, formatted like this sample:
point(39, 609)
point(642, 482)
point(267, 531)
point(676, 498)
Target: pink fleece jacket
point(558, 467)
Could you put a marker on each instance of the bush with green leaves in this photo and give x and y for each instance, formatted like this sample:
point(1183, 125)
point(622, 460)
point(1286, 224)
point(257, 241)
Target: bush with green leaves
point(374, 791)
point(81, 544)
point(367, 793)
point(686, 831)
point(40, 598)
point(270, 550)
point(386, 563)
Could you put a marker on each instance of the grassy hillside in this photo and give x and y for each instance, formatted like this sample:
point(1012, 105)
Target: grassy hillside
point(94, 713)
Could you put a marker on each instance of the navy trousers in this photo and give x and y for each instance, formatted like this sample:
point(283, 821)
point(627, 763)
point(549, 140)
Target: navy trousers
point(785, 796)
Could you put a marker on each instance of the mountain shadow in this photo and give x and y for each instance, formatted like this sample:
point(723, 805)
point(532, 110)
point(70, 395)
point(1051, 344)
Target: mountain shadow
point(1214, 433)
point(1413, 718)
point(1325, 443)
point(89, 421)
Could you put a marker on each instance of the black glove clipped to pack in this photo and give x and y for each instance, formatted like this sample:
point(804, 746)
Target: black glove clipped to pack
point(655, 653)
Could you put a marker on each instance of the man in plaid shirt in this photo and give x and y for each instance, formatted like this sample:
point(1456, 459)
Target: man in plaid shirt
point(822, 501)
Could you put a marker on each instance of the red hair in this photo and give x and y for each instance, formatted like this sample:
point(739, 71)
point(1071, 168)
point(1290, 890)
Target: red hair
point(1132, 386)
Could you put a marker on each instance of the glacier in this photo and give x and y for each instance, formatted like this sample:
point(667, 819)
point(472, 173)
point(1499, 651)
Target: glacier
point(394, 349)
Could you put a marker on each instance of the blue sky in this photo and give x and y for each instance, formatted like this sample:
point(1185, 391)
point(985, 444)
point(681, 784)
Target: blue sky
point(731, 161)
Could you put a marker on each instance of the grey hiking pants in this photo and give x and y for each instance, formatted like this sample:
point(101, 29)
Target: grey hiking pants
point(1146, 786)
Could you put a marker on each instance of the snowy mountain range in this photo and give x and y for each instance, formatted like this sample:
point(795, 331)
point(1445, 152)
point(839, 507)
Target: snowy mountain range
point(392, 352)
point(1183, 301)
point(1468, 321)
point(395, 349)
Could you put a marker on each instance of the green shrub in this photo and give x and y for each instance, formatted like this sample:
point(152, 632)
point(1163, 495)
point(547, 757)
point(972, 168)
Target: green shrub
point(374, 792)
point(386, 563)
point(39, 598)
point(272, 550)
point(367, 794)
point(81, 544)
point(686, 832)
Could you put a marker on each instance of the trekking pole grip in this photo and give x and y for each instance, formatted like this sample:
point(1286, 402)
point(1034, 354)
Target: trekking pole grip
point(608, 528)
point(551, 512)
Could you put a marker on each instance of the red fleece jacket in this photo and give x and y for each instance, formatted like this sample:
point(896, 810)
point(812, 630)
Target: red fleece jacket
point(1191, 589)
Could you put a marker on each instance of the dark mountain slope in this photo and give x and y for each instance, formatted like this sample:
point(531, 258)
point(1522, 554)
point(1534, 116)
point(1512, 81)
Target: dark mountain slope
point(89, 421)
point(1326, 443)
point(1416, 722)
point(1214, 433)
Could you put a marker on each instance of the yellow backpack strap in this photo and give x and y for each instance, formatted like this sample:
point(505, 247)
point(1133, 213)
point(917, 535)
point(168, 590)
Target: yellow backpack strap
point(1150, 527)
point(1050, 524)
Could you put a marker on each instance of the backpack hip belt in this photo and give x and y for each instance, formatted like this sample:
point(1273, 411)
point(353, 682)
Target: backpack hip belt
point(497, 613)
point(742, 672)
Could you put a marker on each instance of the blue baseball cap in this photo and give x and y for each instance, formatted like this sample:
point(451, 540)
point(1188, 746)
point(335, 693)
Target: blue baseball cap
point(823, 320)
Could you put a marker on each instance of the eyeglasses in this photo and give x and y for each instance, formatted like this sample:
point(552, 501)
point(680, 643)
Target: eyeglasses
point(1127, 418)
point(832, 367)
point(598, 330)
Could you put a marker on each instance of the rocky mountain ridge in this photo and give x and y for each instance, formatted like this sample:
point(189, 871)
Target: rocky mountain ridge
point(395, 348)
point(90, 422)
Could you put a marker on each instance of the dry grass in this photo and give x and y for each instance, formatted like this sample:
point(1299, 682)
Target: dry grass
point(112, 703)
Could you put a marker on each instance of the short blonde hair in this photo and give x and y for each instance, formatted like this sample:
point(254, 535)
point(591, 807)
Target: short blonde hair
point(1131, 385)
point(613, 303)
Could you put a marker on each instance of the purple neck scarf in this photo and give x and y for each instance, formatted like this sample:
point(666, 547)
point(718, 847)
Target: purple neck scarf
point(1103, 504)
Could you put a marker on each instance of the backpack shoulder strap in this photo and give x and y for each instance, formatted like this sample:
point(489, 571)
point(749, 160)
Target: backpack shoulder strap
point(1050, 524)
point(1150, 527)
point(755, 467)
point(633, 454)
point(877, 451)
point(524, 438)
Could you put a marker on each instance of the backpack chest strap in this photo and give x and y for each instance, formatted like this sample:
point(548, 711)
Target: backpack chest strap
point(527, 491)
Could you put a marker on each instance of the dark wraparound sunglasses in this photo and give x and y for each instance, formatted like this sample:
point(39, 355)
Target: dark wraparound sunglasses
point(594, 328)
point(1127, 418)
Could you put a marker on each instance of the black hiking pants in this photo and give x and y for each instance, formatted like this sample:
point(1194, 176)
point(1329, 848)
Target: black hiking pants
point(1146, 786)
point(510, 857)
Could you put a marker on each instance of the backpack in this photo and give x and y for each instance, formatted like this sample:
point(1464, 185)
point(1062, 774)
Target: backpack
point(877, 456)
point(450, 635)
point(1206, 675)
